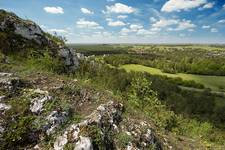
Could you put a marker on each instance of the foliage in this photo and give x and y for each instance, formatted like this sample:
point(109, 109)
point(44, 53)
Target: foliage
point(123, 139)
point(45, 62)
point(143, 97)
point(95, 134)
point(19, 127)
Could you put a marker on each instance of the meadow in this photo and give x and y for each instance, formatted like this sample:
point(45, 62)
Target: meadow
point(216, 83)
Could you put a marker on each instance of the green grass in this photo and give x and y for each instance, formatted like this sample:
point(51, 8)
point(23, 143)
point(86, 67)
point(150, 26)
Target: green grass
point(216, 83)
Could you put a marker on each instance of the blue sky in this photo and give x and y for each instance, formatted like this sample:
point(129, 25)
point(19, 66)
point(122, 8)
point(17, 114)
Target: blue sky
point(126, 21)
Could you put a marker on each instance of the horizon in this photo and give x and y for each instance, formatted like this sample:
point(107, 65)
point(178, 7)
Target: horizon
point(126, 22)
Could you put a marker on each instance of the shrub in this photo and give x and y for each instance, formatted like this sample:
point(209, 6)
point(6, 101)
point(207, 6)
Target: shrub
point(123, 139)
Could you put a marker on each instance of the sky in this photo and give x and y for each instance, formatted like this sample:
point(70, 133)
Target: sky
point(126, 21)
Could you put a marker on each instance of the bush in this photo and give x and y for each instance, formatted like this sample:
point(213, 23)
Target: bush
point(123, 139)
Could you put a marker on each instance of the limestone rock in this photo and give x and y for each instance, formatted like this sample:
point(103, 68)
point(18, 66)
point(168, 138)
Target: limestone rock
point(84, 144)
point(69, 57)
point(37, 102)
point(105, 116)
point(54, 120)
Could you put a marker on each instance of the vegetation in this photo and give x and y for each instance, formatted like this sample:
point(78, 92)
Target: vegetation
point(216, 83)
point(158, 99)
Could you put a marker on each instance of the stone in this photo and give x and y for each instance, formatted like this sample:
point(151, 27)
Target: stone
point(37, 103)
point(54, 120)
point(59, 144)
point(106, 115)
point(69, 58)
point(4, 107)
point(84, 143)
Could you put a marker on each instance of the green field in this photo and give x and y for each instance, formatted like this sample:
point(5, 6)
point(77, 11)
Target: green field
point(216, 83)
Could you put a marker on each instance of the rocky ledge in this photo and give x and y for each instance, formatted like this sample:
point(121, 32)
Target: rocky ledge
point(19, 34)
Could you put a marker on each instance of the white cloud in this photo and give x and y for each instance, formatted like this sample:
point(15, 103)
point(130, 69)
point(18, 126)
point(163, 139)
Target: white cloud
point(125, 31)
point(178, 5)
point(116, 23)
point(135, 27)
point(119, 8)
point(208, 5)
point(221, 21)
point(54, 10)
point(180, 24)
point(86, 11)
point(153, 19)
point(224, 6)
point(144, 32)
point(214, 30)
point(122, 16)
point(82, 23)
point(185, 24)
point(155, 29)
point(164, 23)
point(205, 27)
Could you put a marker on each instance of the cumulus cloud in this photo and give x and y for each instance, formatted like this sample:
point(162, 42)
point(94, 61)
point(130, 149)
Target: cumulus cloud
point(153, 19)
point(180, 24)
point(54, 10)
point(135, 27)
point(185, 24)
point(221, 21)
point(120, 8)
point(178, 5)
point(144, 32)
point(164, 23)
point(208, 5)
point(125, 31)
point(116, 23)
point(214, 30)
point(205, 27)
point(122, 16)
point(86, 11)
point(82, 23)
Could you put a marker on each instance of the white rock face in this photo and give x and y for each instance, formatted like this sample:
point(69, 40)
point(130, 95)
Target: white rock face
point(84, 144)
point(37, 103)
point(4, 107)
point(2, 98)
point(54, 120)
point(31, 32)
point(4, 74)
point(59, 144)
point(110, 110)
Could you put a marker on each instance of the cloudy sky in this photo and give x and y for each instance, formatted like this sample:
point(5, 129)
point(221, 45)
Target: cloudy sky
point(127, 21)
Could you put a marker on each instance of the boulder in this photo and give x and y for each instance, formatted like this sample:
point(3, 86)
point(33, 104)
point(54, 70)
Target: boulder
point(37, 103)
point(69, 58)
point(55, 119)
point(84, 144)
point(103, 118)
point(22, 34)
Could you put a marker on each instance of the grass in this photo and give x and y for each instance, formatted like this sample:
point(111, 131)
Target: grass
point(216, 83)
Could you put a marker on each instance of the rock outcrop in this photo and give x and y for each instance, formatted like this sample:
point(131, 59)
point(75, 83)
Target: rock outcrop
point(105, 118)
point(19, 35)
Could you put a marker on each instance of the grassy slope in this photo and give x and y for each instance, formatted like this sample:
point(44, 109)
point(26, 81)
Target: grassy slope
point(213, 82)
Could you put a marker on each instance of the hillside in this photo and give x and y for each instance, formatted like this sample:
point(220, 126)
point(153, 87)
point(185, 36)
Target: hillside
point(52, 99)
